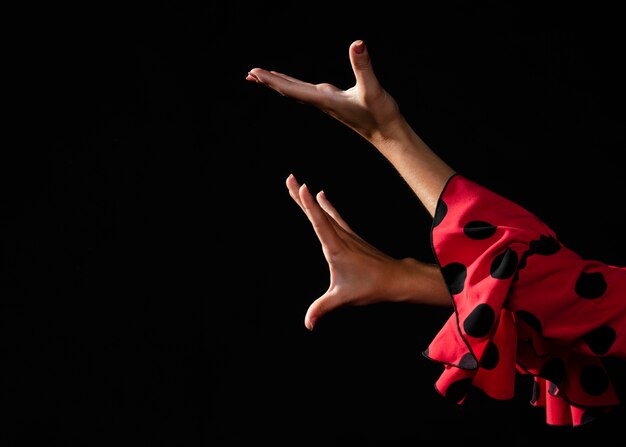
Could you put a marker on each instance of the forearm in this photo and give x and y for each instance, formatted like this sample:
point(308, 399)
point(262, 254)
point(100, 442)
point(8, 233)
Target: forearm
point(422, 169)
point(421, 283)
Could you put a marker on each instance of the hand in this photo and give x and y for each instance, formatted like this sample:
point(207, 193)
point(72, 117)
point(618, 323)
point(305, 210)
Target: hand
point(359, 273)
point(366, 107)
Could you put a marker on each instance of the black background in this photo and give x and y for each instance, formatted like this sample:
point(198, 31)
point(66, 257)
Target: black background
point(155, 273)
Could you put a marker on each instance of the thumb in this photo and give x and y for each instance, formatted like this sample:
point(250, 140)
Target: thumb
point(362, 65)
point(319, 308)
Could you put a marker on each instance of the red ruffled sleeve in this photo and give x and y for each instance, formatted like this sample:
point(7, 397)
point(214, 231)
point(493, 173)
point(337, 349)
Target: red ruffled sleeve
point(523, 302)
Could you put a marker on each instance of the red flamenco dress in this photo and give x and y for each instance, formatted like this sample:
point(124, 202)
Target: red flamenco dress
point(523, 302)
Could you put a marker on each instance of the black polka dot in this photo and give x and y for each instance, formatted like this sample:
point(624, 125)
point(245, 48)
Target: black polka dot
point(530, 320)
point(552, 389)
point(491, 357)
point(600, 339)
point(553, 370)
point(522, 261)
point(479, 322)
point(440, 212)
point(504, 265)
point(458, 390)
point(590, 285)
point(594, 380)
point(536, 393)
point(454, 275)
point(545, 246)
point(468, 361)
point(478, 229)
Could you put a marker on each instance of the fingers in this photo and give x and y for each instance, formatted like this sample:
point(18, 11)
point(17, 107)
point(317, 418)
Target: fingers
point(332, 212)
point(286, 85)
point(294, 187)
point(330, 240)
point(322, 223)
point(362, 65)
point(310, 93)
point(287, 77)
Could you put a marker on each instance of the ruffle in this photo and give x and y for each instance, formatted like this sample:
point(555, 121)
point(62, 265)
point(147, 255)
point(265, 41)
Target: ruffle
point(523, 303)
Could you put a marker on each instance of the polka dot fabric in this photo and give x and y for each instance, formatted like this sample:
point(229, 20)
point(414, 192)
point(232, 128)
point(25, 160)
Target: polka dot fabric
point(523, 303)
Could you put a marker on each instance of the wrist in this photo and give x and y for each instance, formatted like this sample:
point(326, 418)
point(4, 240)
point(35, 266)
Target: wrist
point(393, 133)
point(420, 283)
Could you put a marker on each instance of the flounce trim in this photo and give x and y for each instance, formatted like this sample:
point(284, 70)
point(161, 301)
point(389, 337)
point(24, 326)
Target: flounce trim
point(481, 241)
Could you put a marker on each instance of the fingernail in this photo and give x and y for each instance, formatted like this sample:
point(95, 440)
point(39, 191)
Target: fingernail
point(359, 47)
point(253, 76)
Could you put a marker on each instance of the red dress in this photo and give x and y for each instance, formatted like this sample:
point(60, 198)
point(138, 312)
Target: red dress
point(523, 301)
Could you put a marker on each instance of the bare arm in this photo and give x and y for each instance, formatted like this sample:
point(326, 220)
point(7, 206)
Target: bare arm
point(370, 111)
